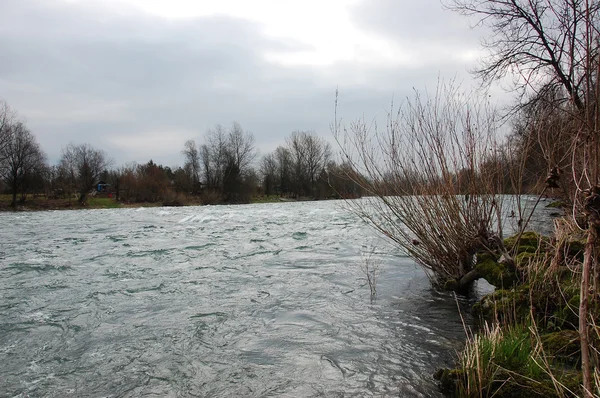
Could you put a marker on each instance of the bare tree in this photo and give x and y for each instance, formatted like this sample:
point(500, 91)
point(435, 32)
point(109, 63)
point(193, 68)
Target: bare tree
point(283, 158)
point(214, 154)
point(544, 43)
point(240, 147)
point(268, 171)
point(115, 177)
point(239, 154)
point(551, 49)
point(310, 155)
point(192, 162)
point(318, 153)
point(8, 118)
point(84, 164)
point(298, 154)
point(225, 160)
point(208, 172)
point(22, 157)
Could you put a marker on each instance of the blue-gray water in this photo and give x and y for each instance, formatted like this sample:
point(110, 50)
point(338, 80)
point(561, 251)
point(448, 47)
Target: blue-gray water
point(252, 301)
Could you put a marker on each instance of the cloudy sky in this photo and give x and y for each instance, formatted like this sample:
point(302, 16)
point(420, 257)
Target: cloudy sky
point(138, 78)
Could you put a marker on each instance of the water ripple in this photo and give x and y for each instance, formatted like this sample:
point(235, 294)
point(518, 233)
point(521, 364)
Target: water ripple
point(261, 300)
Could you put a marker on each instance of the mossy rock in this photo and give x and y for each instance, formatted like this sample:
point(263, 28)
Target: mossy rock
point(451, 285)
point(528, 238)
point(566, 316)
point(576, 248)
point(510, 384)
point(528, 249)
point(563, 345)
point(484, 308)
point(530, 242)
point(572, 380)
point(565, 275)
point(504, 303)
point(557, 204)
point(498, 274)
point(523, 259)
point(513, 385)
point(448, 380)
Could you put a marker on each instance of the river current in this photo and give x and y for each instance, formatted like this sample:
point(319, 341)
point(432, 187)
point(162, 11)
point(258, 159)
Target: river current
point(214, 301)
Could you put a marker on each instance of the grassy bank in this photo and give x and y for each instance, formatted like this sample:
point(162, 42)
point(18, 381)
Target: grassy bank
point(528, 344)
point(39, 203)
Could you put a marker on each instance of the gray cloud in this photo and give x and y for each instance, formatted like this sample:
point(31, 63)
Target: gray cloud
point(138, 86)
point(419, 22)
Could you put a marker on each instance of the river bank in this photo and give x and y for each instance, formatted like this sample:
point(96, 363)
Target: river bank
point(528, 343)
point(40, 203)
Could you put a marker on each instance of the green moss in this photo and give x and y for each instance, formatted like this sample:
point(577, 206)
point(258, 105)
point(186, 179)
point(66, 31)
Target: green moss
point(523, 259)
point(451, 285)
point(563, 345)
point(558, 204)
point(529, 242)
point(497, 274)
point(575, 248)
point(511, 385)
point(504, 303)
point(549, 294)
point(448, 379)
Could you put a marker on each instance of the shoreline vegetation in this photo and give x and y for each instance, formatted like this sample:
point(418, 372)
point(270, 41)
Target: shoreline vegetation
point(434, 179)
point(223, 170)
point(528, 343)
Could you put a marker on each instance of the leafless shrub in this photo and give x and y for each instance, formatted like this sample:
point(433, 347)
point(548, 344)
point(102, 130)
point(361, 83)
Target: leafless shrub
point(370, 268)
point(440, 150)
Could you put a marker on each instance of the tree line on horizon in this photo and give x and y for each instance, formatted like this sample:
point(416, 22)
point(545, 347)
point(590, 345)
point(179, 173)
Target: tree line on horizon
point(225, 168)
point(222, 169)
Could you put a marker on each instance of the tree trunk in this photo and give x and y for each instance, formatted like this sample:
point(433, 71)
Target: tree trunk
point(466, 281)
point(14, 187)
point(583, 311)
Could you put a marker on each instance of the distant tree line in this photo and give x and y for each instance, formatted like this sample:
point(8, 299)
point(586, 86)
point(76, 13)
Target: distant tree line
point(224, 168)
point(221, 168)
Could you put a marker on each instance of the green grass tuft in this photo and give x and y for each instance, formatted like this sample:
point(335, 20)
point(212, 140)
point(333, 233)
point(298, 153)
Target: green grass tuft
point(102, 203)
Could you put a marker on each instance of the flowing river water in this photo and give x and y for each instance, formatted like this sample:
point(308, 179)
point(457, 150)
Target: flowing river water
point(215, 301)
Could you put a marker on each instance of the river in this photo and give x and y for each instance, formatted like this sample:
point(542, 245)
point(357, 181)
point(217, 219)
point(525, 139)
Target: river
point(214, 301)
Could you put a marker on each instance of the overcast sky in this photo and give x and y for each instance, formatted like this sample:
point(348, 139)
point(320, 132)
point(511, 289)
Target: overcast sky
point(137, 78)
